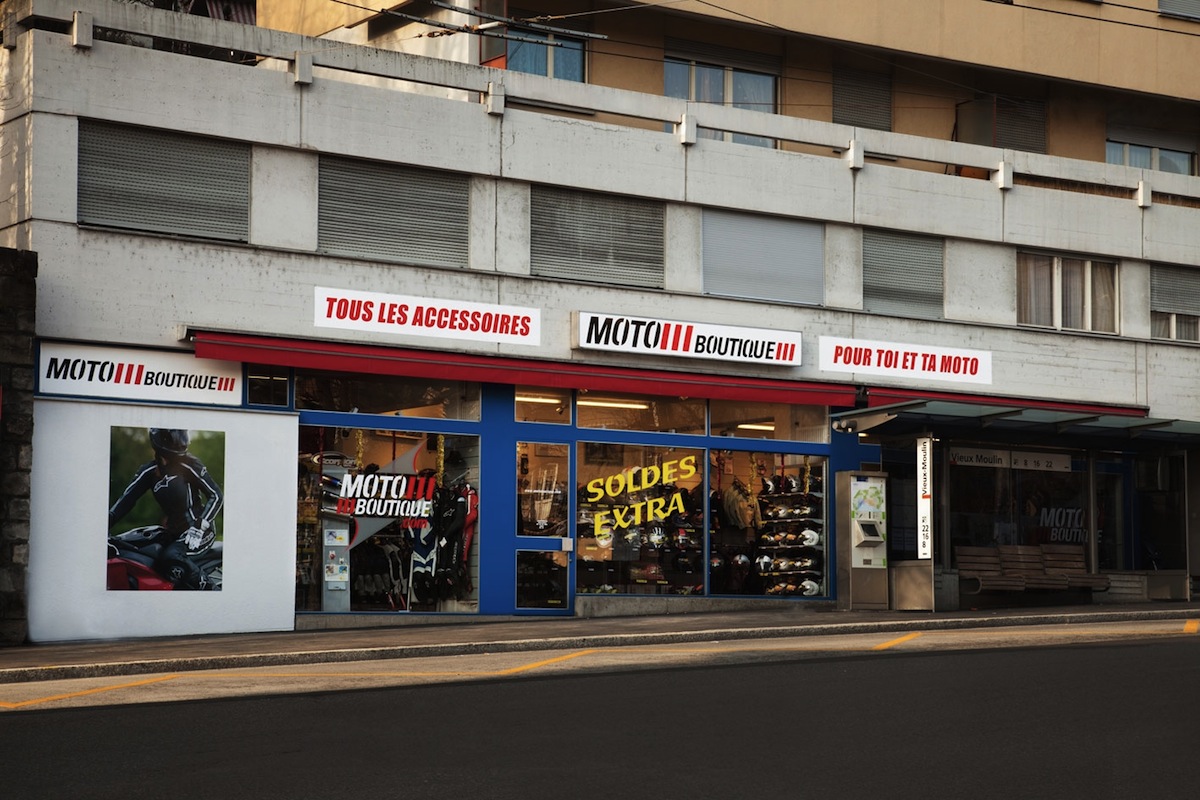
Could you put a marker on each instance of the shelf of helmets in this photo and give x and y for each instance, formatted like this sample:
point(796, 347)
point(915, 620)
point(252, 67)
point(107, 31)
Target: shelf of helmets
point(790, 552)
point(654, 558)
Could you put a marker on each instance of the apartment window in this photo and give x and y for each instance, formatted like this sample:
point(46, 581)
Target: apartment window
point(862, 99)
point(725, 76)
point(1180, 8)
point(549, 54)
point(162, 181)
point(387, 211)
point(595, 237)
point(902, 274)
point(1175, 303)
point(763, 258)
point(1146, 156)
point(1066, 293)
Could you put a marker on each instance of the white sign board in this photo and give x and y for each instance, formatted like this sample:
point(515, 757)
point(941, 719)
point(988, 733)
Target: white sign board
point(130, 374)
point(889, 359)
point(664, 337)
point(925, 497)
point(374, 312)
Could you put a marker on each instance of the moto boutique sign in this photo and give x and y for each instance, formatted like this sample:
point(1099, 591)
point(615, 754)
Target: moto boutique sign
point(665, 337)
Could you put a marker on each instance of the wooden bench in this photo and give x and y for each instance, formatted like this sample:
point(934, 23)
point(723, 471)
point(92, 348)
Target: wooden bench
point(979, 570)
point(1026, 561)
point(1068, 560)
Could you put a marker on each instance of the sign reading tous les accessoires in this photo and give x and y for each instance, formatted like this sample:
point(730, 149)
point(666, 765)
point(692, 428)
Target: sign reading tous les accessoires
point(129, 374)
point(666, 337)
point(374, 312)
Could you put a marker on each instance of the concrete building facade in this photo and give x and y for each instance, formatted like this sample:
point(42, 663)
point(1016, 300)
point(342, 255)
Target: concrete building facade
point(416, 313)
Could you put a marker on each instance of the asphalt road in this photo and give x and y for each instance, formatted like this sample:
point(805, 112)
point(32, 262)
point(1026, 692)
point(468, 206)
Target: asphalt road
point(1111, 712)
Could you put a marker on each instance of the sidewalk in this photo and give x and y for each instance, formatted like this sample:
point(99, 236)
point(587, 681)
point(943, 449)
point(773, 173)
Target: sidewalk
point(177, 654)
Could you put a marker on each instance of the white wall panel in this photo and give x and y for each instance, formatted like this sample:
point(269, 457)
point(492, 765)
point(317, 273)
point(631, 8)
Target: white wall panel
point(746, 178)
point(582, 154)
point(69, 505)
point(1071, 221)
point(927, 202)
point(1172, 234)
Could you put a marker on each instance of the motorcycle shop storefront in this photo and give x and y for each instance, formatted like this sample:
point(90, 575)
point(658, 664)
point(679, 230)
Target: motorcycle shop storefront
point(557, 480)
point(1024, 472)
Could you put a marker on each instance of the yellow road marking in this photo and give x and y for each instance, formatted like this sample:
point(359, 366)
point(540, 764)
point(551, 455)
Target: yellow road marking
point(86, 692)
point(548, 661)
point(906, 638)
point(1191, 626)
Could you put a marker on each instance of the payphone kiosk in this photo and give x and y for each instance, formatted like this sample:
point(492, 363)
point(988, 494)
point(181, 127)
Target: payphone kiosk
point(862, 540)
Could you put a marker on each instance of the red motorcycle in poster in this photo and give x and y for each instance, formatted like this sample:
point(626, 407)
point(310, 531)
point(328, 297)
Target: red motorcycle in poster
point(136, 560)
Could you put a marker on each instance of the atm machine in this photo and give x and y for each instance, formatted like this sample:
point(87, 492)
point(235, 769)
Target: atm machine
point(862, 566)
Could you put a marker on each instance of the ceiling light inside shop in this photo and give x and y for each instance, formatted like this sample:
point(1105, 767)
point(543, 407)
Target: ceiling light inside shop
point(549, 401)
point(756, 426)
point(614, 404)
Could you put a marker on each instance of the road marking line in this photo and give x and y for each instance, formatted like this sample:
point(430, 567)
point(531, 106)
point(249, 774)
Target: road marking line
point(548, 661)
point(906, 638)
point(97, 690)
point(1191, 626)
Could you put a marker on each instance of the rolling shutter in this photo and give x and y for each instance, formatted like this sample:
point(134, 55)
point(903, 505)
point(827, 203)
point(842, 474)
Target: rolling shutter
point(1021, 125)
point(166, 182)
point(1175, 290)
point(594, 237)
point(763, 258)
point(902, 275)
point(1182, 8)
point(396, 213)
point(862, 99)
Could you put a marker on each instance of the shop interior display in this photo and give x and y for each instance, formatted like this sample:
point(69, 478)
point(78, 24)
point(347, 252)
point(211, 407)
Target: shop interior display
point(643, 533)
point(768, 530)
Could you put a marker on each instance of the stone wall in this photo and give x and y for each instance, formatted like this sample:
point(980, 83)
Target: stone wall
point(18, 275)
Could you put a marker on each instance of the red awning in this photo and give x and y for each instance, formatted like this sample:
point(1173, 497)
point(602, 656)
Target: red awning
point(343, 357)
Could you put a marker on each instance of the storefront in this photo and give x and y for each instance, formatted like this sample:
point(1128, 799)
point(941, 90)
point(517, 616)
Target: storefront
point(327, 478)
point(426, 485)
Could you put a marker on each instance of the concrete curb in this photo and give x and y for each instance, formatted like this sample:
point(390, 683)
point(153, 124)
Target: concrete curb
point(344, 655)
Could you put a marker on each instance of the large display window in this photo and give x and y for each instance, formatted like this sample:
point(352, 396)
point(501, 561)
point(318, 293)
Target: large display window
point(768, 524)
point(640, 526)
point(387, 521)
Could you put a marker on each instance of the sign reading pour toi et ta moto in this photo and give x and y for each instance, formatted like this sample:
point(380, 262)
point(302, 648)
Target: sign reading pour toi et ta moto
point(864, 357)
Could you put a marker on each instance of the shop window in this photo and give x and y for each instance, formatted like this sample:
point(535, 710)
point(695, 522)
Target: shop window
point(640, 520)
point(862, 99)
point(722, 76)
point(389, 211)
point(767, 524)
point(543, 499)
point(594, 237)
point(163, 181)
point(1066, 293)
point(1175, 303)
point(763, 258)
point(380, 394)
point(268, 385)
point(634, 412)
point(902, 274)
point(747, 420)
point(535, 404)
point(386, 521)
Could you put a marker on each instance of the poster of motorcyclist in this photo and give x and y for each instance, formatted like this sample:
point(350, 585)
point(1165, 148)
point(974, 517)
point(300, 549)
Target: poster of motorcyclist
point(165, 509)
